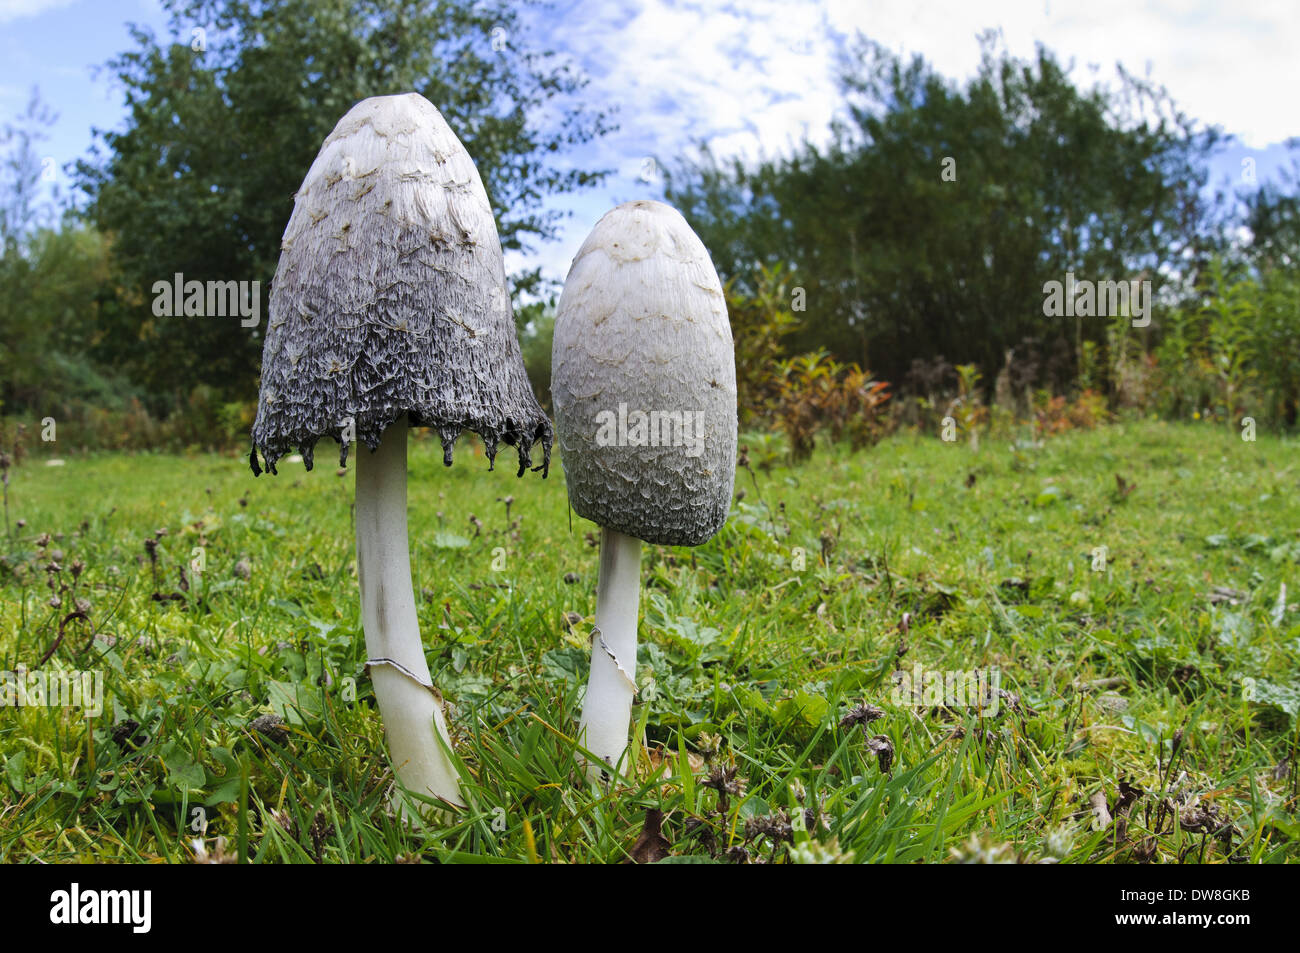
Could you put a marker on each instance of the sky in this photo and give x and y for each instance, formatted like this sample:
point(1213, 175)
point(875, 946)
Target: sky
point(749, 77)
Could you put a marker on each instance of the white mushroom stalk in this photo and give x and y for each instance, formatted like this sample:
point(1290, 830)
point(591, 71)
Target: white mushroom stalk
point(607, 708)
point(643, 378)
point(408, 703)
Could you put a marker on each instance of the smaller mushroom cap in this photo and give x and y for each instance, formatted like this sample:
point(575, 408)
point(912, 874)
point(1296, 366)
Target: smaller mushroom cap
point(643, 380)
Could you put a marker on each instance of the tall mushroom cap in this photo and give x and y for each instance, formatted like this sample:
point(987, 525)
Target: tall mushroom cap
point(642, 351)
point(390, 297)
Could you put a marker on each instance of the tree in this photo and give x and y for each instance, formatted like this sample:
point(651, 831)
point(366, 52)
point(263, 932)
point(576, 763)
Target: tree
point(1272, 214)
point(21, 207)
point(49, 281)
point(932, 219)
point(228, 112)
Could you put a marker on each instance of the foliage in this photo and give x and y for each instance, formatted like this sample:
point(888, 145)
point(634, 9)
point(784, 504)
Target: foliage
point(221, 132)
point(1230, 315)
point(1054, 415)
point(1272, 217)
point(1183, 375)
point(1232, 353)
point(1275, 336)
point(50, 280)
point(49, 284)
point(801, 396)
point(815, 393)
point(759, 323)
point(201, 420)
point(967, 409)
point(902, 263)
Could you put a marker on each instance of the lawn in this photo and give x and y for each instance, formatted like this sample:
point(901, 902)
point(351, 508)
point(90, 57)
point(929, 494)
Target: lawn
point(1129, 595)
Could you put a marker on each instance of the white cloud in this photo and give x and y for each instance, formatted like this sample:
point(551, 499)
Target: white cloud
point(17, 9)
point(1224, 65)
point(750, 76)
point(758, 75)
point(755, 77)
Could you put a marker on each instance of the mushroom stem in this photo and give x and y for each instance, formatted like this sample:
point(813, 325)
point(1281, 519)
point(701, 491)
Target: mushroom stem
point(408, 704)
point(607, 709)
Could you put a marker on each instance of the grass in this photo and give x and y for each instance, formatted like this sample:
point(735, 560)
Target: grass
point(1150, 688)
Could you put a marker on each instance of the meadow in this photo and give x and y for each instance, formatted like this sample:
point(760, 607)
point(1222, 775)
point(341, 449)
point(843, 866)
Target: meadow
point(1127, 600)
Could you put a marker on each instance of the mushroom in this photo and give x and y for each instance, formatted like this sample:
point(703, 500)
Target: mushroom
point(643, 381)
point(389, 310)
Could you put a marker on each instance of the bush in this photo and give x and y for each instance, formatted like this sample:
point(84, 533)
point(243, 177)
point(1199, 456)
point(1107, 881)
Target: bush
point(1232, 352)
point(759, 323)
point(1056, 414)
point(200, 422)
point(1277, 336)
point(816, 393)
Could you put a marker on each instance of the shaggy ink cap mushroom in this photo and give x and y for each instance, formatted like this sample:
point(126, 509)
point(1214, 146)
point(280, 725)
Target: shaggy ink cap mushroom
point(643, 378)
point(389, 308)
point(390, 298)
point(642, 352)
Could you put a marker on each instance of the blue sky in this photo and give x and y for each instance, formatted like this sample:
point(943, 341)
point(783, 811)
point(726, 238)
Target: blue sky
point(752, 76)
